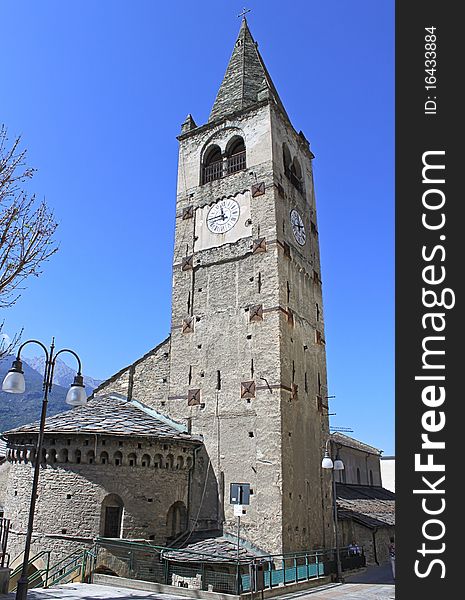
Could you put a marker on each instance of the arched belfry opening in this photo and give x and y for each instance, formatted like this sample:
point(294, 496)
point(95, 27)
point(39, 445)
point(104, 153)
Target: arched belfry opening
point(292, 168)
point(111, 518)
point(216, 165)
point(212, 164)
point(235, 152)
point(287, 159)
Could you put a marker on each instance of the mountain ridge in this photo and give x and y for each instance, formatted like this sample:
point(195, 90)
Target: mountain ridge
point(21, 409)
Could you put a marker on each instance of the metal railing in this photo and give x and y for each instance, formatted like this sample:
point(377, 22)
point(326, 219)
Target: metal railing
point(69, 568)
point(4, 531)
point(222, 168)
point(236, 162)
point(185, 568)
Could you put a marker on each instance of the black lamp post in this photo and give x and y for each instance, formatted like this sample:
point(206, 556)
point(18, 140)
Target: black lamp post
point(336, 465)
point(14, 383)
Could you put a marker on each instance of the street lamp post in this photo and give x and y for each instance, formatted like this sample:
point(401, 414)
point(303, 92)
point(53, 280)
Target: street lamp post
point(336, 465)
point(14, 383)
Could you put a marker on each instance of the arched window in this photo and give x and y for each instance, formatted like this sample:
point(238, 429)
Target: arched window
point(77, 456)
point(180, 462)
point(212, 164)
point(169, 461)
point(371, 477)
point(132, 460)
point(145, 462)
point(158, 461)
point(358, 476)
point(91, 457)
point(189, 462)
point(118, 459)
point(292, 169)
point(296, 174)
point(235, 151)
point(63, 455)
point(52, 456)
point(176, 520)
point(104, 458)
point(111, 517)
point(287, 160)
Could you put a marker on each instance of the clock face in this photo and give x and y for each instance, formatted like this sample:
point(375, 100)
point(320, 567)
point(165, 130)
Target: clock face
point(298, 227)
point(223, 215)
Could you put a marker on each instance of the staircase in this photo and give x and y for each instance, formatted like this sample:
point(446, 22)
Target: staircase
point(73, 567)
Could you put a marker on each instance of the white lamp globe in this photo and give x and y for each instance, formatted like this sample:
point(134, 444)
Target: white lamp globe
point(14, 383)
point(338, 465)
point(76, 395)
point(327, 463)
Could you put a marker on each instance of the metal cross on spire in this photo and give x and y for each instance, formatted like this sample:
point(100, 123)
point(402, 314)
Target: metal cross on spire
point(244, 12)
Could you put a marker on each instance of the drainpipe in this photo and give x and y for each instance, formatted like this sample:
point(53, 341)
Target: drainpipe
point(375, 553)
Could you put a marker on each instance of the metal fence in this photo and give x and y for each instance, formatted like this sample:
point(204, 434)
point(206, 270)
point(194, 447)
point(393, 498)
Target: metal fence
point(181, 568)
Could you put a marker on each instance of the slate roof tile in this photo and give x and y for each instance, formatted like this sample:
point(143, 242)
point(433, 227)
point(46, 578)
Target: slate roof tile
point(246, 76)
point(211, 549)
point(111, 414)
point(371, 506)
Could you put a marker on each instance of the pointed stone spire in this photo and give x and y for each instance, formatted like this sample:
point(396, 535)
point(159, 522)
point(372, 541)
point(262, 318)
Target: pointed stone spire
point(246, 80)
point(189, 124)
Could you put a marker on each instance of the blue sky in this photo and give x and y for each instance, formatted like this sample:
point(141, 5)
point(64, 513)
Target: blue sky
point(98, 91)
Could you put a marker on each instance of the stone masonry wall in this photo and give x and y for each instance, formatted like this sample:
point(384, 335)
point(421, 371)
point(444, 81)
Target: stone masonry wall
point(368, 466)
point(146, 380)
point(363, 536)
point(69, 506)
point(305, 428)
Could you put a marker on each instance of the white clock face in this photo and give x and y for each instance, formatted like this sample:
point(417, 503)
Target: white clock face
point(223, 215)
point(298, 227)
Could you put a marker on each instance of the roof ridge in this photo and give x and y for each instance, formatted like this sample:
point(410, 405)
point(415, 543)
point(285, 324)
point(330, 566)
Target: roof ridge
point(116, 375)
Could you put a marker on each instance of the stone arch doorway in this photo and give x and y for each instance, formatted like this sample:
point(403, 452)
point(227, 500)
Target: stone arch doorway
point(111, 516)
point(176, 520)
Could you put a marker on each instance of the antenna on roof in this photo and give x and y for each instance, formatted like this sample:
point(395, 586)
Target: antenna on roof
point(341, 429)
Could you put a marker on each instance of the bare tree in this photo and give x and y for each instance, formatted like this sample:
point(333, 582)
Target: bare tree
point(26, 226)
point(8, 344)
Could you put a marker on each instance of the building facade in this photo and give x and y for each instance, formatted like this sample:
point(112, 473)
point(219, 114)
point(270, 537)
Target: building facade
point(112, 468)
point(247, 365)
point(244, 368)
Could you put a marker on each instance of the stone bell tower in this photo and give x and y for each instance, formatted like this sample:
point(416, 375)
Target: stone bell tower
point(247, 361)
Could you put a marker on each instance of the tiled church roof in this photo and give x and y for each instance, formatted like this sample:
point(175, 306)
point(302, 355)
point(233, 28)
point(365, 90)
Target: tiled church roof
point(345, 440)
point(111, 414)
point(203, 546)
point(372, 506)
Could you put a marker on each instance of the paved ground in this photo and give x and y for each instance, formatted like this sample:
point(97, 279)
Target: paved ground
point(375, 583)
point(83, 591)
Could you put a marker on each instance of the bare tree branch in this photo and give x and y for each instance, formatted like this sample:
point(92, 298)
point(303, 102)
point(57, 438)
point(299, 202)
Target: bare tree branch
point(8, 344)
point(26, 226)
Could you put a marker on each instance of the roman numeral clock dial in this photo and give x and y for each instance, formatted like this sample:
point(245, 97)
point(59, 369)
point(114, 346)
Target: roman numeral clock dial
point(223, 215)
point(298, 227)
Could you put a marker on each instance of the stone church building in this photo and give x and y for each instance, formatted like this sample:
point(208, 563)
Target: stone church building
point(238, 392)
